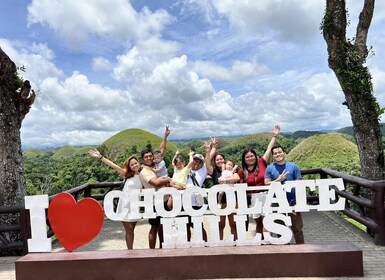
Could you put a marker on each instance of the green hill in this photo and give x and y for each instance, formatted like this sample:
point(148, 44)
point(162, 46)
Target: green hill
point(332, 150)
point(132, 141)
point(65, 151)
point(83, 150)
point(34, 152)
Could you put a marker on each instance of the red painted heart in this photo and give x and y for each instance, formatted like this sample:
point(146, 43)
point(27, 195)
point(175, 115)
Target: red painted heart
point(75, 224)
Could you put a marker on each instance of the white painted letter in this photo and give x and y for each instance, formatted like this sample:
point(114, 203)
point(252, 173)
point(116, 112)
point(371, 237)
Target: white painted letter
point(276, 189)
point(108, 203)
point(39, 241)
point(283, 230)
point(326, 194)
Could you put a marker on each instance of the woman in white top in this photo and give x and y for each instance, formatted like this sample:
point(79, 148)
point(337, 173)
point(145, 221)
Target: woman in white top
point(130, 173)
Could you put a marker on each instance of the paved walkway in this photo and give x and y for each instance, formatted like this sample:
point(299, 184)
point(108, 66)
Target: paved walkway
point(319, 227)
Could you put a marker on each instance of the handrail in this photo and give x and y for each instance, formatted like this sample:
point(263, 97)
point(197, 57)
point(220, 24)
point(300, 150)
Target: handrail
point(371, 210)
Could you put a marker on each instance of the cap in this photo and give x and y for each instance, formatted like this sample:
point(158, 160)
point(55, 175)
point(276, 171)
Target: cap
point(200, 157)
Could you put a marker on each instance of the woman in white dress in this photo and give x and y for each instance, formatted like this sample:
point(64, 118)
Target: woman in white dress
point(130, 173)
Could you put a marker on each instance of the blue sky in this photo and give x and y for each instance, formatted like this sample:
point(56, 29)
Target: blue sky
point(205, 68)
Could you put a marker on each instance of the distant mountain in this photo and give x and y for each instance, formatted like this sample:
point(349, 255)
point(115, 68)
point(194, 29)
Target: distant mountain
point(302, 134)
point(349, 130)
point(134, 140)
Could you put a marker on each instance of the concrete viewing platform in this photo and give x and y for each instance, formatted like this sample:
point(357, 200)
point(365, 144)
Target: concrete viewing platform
point(319, 228)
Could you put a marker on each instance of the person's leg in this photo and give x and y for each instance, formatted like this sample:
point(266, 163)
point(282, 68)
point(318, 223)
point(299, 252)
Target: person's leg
point(204, 234)
point(152, 236)
point(233, 226)
point(248, 197)
point(222, 223)
point(297, 226)
point(220, 196)
point(255, 199)
point(169, 203)
point(256, 216)
point(261, 197)
point(129, 228)
point(188, 233)
point(155, 224)
point(259, 224)
point(160, 234)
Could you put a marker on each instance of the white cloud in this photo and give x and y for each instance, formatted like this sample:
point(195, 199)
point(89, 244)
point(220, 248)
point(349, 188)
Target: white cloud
point(240, 70)
point(141, 59)
point(172, 84)
point(100, 63)
point(77, 21)
point(206, 68)
point(291, 20)
point(76, 93)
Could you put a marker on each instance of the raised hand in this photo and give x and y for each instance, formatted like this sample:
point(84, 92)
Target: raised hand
point(167, 131)
point(94, 153)
point(276, 130)
point(214, 142)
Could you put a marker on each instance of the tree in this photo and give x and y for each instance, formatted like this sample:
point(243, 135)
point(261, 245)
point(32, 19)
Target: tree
point(16, 99)
point(347, 58)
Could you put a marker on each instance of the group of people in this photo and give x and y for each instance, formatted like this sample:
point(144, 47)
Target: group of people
point(254, 171)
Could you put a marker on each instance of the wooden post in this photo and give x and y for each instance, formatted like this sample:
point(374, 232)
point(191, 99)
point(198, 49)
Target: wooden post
point(25, 224)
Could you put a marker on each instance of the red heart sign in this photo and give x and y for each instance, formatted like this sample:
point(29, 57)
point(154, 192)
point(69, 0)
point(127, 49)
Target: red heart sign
point(75, 224)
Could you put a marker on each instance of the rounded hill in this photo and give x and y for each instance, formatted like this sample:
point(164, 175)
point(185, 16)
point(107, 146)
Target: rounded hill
point(69, 151)
point(64, 152)
point(34, 152)
point(132, 141)
point(332, 150)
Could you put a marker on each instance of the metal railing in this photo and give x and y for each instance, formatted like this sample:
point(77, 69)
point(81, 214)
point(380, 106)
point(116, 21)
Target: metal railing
point(367, 211)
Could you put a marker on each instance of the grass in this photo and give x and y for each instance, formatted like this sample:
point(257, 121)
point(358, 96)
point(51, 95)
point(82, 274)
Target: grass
point(352, 221)
point(355, 223)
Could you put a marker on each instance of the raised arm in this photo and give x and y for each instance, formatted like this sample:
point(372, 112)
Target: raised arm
point(276, 131)
point(163, 144)
point(214, 144)
point(209, 168)
point(96, 154)
point(190, 159)
point(173, 159)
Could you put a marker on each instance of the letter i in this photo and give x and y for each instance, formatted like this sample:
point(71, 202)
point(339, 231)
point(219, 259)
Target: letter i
point(39, 241)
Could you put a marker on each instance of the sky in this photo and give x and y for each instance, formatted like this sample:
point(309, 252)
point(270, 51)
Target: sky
point(204, 67)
